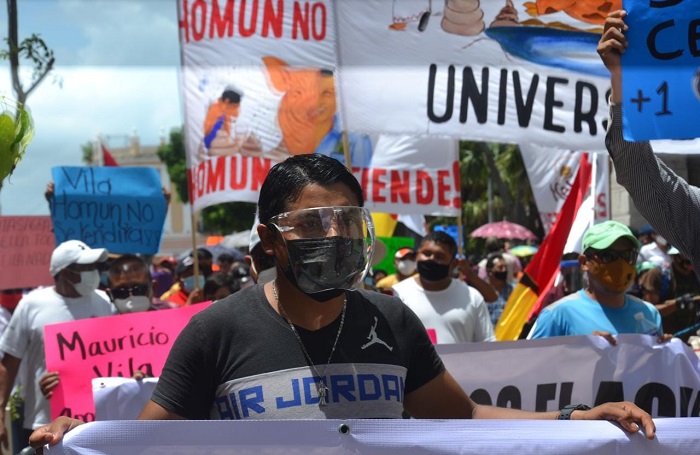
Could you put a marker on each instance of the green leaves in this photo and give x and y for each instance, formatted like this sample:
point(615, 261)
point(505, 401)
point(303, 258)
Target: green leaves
point(16, 132)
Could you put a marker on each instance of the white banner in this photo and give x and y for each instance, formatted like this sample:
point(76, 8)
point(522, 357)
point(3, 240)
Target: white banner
point(547, 374)
point(552, 173)
point(542, 375)
point(356, 437)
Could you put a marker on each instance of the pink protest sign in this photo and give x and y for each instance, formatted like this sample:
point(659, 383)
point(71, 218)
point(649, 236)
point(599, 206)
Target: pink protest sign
point(108, 347)
point(26, 244)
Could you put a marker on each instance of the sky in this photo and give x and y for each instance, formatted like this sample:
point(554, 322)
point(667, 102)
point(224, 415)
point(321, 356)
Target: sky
point(116, 72)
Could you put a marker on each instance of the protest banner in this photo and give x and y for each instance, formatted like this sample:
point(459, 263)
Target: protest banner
point(118, 208)
point(105, 347)
point(26, 244)
point(353, 436)
point(547, 374)
point(661, 70)
point(542, 375)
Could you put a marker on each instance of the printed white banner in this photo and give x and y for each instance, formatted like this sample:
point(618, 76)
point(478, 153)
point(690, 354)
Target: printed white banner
point(541, 375)
point(408, 437)
point(547, 374)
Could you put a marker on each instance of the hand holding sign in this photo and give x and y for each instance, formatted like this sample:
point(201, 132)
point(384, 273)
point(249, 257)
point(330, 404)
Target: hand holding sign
point(660, 76)
point(118, 208)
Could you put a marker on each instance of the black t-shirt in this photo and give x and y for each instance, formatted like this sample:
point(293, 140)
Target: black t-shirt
point(239, 359)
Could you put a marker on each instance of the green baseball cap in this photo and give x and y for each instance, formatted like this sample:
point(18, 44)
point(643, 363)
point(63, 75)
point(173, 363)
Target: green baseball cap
point(601, 236)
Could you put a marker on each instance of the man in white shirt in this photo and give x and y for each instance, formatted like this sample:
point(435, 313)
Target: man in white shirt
point(74, 296)
point(451, 311)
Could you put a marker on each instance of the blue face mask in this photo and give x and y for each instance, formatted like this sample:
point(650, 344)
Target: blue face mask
point(188, 283)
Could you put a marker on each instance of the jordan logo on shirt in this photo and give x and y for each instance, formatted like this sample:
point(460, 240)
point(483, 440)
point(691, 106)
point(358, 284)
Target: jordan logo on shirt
point(373, 338)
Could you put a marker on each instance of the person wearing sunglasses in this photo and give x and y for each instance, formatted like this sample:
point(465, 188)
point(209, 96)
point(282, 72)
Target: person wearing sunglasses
point(603, 308)
point(311, 344)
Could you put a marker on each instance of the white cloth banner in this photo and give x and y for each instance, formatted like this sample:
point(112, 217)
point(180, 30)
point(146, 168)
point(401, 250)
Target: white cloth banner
point(541, 375)
point(547, 374)
point(353, 437)
point(552, 173)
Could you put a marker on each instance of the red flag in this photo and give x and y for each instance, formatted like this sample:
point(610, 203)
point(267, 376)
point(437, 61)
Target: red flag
point(107, 158)
point(538, 273)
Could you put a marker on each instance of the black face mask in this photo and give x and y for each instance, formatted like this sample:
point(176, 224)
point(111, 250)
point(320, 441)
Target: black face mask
point(324, 268)
point(432, 271)
point(500, 275)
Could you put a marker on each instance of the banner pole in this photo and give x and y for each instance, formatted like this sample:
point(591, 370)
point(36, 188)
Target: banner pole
point(195, 254)
point(460, 236)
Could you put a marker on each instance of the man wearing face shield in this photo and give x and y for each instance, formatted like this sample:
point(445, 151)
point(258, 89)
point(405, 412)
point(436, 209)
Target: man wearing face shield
point(603, 308)
point(74, 266)
point(310, 344)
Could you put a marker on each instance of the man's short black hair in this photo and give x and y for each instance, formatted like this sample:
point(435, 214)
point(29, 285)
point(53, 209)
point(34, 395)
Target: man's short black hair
point(286, 181)
point(491, 258)
point(231, 96)
point(226, 257)
point(442, 238)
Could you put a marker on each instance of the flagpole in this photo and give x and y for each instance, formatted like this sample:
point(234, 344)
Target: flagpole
point(593, 158)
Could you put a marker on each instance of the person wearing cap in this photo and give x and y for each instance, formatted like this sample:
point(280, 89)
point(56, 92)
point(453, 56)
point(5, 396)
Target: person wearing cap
point(655, 251)
point(311, 344)
point(405, 263)
point(451, 310)
point(74, 267)
point(603, 308)
point(665, 199)
point(185, 290)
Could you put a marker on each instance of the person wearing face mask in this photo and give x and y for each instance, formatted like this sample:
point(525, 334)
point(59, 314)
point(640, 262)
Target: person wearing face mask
point(186, 289)
point(451, 310)
point(602, 308)
point(131, 290)
point(311, 344)
point(74, 266)
point(497, 271)
point(405, 263)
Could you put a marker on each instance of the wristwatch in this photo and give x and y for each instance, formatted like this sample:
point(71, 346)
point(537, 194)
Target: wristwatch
point(565, 414)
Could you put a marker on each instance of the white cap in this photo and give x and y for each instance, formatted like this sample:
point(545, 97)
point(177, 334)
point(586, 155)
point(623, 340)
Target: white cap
point(254, 237)
point(673, 250)
point(75, 252)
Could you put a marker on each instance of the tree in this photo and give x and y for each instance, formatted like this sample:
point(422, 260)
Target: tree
point(512, 200)
point(17, 132)
point(217, 219)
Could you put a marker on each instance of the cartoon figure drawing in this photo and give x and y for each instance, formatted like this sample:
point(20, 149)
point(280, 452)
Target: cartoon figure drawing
point(573, 30)
point(307, 114)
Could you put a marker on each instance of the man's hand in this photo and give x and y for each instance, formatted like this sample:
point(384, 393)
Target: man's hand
point(612, 42)
point(628, 415)
point(607, 335)
point(47, 383)
point(52, 433)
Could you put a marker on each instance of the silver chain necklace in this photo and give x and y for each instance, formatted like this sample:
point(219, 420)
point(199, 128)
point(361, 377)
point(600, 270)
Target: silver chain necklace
point(321, 386)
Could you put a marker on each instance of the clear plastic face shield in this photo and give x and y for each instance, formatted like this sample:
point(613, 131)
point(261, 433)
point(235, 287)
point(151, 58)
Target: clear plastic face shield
point(328, 247)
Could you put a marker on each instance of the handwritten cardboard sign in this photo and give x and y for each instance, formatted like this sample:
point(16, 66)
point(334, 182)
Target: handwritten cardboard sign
point(113, 346)
point(118, 208)
point(661, 70)
point(26, 244)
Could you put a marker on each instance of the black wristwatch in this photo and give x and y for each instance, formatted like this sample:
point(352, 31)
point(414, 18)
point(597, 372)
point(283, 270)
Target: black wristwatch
point(565, 414)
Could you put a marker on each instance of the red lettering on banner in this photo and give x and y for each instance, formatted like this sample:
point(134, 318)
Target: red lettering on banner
point(378, 185)
point(239, 173)
point(424, 188)
point(443, 187)
point(250, 30)
point(311, 21)
point(261, 167)
point(457, 201)
point(216, 172)
point(400, 186)
point(273, 19)
point(219, 20)
point(222, 25)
